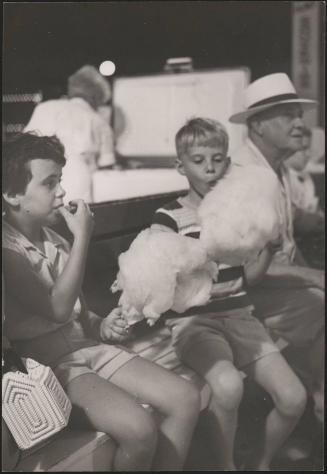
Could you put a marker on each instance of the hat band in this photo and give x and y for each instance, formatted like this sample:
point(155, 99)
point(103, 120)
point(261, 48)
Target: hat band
point(275, 98)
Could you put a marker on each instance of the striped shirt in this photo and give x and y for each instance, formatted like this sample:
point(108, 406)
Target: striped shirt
point(181, 216)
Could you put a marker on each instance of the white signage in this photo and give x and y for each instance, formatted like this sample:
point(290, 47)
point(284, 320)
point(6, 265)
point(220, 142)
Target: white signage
point(305, 52)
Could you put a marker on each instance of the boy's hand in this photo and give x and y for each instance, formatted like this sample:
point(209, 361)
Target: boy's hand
point(275, 245)
point(114, 327)
point(81, 222)
point(220, 290)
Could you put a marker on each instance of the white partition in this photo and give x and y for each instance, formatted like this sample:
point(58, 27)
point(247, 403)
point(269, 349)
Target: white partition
point(153, 108)
point(149, 110)
point(111, 185)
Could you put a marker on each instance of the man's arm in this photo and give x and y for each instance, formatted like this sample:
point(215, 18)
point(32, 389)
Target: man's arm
point(308, 222)
point(294, 276)
point(273, 274)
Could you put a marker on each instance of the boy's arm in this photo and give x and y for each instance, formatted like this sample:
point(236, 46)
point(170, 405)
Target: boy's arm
point(161, 227)
point(256, 269)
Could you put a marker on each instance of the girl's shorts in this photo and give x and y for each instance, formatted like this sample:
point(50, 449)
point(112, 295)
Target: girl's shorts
point(102, 359)
point(238, 335)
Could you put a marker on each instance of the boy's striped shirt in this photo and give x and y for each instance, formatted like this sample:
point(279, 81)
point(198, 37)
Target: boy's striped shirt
point(183, 219)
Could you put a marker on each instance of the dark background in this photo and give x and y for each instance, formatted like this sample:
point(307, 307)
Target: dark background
point(46, 42)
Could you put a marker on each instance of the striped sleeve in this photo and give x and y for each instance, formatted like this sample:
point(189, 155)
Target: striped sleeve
point(162, 218)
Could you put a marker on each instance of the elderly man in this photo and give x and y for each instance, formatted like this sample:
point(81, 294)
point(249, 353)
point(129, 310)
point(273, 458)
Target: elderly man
point(86, 136)
point(290, 298)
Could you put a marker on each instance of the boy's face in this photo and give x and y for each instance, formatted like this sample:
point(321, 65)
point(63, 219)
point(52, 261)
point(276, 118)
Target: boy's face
point(43, 195)
point(203, 166)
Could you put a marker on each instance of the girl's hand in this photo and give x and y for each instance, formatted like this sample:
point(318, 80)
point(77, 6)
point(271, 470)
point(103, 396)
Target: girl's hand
point(220, 290)
point(114, 327)
point(80, 223)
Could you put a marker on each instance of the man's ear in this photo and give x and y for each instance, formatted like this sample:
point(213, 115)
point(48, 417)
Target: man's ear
point(11, 199)
point(257, 126)
point(179, 166)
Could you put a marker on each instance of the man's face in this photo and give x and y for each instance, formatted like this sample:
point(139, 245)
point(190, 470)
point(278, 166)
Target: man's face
point(281, 128)
point(43, 195)
point(204, 166)
point(299, 160)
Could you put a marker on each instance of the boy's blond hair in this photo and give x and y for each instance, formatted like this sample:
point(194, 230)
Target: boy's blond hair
point(201, 132)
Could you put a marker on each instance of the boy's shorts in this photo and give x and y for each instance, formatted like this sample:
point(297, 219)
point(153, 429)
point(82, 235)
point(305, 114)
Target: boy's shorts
point(239, 336)
point(102, 359)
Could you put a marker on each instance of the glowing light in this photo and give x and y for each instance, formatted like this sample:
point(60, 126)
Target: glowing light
point(107, 68)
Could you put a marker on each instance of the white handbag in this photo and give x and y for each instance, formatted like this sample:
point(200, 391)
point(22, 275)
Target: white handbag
point(34, 404)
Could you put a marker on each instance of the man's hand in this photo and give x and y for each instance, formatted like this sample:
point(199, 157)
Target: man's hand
point(317, 277)
point(220, 290)
point(114, 327)
point(81, 222)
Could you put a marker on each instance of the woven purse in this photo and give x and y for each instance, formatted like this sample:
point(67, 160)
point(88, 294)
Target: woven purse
point(34, 405)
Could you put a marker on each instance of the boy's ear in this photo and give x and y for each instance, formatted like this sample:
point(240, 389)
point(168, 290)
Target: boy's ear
point(11, 199)
point(179, 166)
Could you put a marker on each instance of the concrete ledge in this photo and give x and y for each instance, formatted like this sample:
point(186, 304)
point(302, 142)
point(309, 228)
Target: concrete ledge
point(71, 451)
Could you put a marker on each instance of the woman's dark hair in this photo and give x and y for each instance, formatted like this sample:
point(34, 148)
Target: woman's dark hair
point(19, 150)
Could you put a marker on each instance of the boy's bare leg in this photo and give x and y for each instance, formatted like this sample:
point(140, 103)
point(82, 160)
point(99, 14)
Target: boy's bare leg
point(226, 384)
point(274, 374)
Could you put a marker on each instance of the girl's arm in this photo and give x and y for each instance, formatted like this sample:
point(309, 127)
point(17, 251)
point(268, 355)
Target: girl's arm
point(113, 328)
point(67, 287)
point(28, 288)
point(25, 286)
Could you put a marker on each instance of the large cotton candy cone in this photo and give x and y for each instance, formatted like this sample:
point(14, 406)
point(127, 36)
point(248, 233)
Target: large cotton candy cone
point(151, 270)
point(241, 214)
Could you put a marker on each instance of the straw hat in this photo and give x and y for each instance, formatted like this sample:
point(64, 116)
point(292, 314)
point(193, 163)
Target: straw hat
point(266, 92)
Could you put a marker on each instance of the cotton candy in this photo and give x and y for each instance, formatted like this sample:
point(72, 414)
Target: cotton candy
point(162, 271)
point(241, 214)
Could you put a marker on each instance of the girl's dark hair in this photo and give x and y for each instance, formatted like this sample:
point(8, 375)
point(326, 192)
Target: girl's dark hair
point(19, 150)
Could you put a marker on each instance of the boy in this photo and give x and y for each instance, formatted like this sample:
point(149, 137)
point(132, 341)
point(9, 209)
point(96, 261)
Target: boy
point(47, 319)
point(224, 336)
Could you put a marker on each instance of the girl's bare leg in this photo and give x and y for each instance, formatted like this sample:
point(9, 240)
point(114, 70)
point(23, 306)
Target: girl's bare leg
point(174, 398)
point(108, 408)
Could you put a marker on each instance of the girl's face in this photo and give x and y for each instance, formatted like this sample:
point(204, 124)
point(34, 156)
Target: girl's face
point(204, 166)
point(43, 195)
